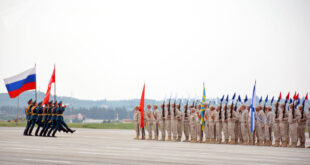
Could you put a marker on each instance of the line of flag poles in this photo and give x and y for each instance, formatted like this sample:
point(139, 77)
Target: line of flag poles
point(25, 81)
point(252, 106)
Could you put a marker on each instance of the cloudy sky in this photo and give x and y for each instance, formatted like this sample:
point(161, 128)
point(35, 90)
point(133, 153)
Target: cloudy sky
point(107, 49)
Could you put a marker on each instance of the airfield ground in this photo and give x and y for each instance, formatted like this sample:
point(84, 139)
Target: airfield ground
point(106, 146)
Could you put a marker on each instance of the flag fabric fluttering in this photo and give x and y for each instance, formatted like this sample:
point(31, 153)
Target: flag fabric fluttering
point(246, 98)
point(252, 110)
point(48, 92)
point(202, 108)
point(141, 108)
point(21, 82)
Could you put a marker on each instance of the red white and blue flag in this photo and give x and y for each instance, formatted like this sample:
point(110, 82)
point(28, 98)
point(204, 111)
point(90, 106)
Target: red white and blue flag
point(22, 82)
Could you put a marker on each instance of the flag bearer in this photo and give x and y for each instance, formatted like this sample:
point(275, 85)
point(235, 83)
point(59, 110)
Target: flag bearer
point(137, 118)
point(28, 116)
point(199, 126)
point(260, 125)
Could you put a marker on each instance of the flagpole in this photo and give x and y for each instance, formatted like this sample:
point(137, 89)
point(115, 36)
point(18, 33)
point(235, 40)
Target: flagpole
point(55, 84)
point(17, 110)
point(36, 96)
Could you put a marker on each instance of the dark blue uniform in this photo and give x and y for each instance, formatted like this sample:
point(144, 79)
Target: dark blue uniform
point(39, 120)
point(34, 117)
point(48, 121)
point(28, 118)
point(53, 120)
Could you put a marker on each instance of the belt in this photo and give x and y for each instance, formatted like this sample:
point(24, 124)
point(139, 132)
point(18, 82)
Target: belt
point(59, 115)
point(39, 114)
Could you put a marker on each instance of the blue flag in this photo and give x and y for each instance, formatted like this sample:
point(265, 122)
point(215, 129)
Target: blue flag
point(252, 110)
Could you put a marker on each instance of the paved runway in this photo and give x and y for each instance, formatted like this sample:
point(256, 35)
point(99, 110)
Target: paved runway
point(97, 146)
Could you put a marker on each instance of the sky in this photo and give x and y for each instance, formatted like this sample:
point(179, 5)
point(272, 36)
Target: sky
point(107, 49)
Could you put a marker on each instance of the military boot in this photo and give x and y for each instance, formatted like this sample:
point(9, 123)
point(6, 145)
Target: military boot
point(169, 138)
point(186, 139)
point(143, 138)
point(226, 141)
point(219, 141)
point(276, 144)
point(156, 138)
point(137, 137)
point(301, 145)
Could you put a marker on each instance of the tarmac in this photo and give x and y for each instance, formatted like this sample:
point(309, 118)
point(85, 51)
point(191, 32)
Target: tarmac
point(104, 146)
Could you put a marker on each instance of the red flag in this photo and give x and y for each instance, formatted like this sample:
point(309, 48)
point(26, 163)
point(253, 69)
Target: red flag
point(295, 96)
point(141, 108)
point(306, 96)
point(280, 96)
point(288, 96)
point(48, 92)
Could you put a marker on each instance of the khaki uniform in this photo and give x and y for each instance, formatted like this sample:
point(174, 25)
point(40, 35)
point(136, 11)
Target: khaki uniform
point(162, 124)
point(174, 124)
point(179, 124)
point(136, 118)
point(268, 128)
point(168, 122)
point(231, 125)
point(186, 116)
point(238, 136)
point(212, 129)
point(244, 126)
point(199, 127)
point(249, 129)
point(156, 118)
point(301, 129)
point(260, 126)
point(218, 126)
point(284, 127)
point(225, 125)
point(193, 125)
point(207, 124)
point(276, 128)
point(150, 122)
point(293, 125)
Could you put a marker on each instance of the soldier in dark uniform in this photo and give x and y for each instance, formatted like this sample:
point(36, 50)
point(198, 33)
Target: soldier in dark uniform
point(28, 117)
point(53, 118)
point(48, 118)
point(34, 117)
point(40, 121)
point(44, 118)
point(60, 121)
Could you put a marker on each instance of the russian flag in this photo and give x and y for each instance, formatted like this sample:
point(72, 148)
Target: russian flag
point(22, 82)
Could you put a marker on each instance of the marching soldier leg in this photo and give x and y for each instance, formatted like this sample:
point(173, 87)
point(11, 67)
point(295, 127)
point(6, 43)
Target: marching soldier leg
point(212, 133)
point(31, 127)
point(225, 131)
point(293, 134)
point(169, 129)
point(149, 130)
point(283, 134)
point(244, 132)
point(38, 128)
point(276, 132)
point(174, 129)
point(27, 127)
point(193, 133)
point(301, 135)
point(231, 131)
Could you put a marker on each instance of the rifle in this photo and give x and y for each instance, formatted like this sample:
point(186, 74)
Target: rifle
point(231, 109)
point(174, 107)
point(303, 109)
point(277, 109)
point(293, 110)
point(284, 109)
point(185, 109)
point(225, 111)
point(163, 111)
point(220, 113)
point(169, 108)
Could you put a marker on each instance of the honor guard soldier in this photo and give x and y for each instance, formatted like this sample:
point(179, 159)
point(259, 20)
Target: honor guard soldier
point(163, 122)
point(231, 124)
point(193, 124)
point(199, 126)
point(302, 126)
point(206, 120)
point(149, 121)
point(293, 118)
point(225, 123)
point(179, 122)
point(218, 124)
point(186, 117)
point(40, 121)
point(284, 125)
point(48, 119)
point(156, 116)
point(34, 117)
point(53, 118)
point(244, 124)
point(249, 127)
point(260, 125)
point(212, 130)
point(28, 116)
point(136, 118)
point(174, 122)
point(168, 120)
point(269, 126)
point(276, 124)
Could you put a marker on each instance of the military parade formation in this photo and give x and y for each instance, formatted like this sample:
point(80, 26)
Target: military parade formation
point(48, 118)
point(280, 123)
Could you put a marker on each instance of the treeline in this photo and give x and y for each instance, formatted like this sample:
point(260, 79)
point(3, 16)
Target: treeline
point(101, 113)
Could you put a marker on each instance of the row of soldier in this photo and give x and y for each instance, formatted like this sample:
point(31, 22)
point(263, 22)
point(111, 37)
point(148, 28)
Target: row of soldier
point(228, 124)
point(48, 118)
